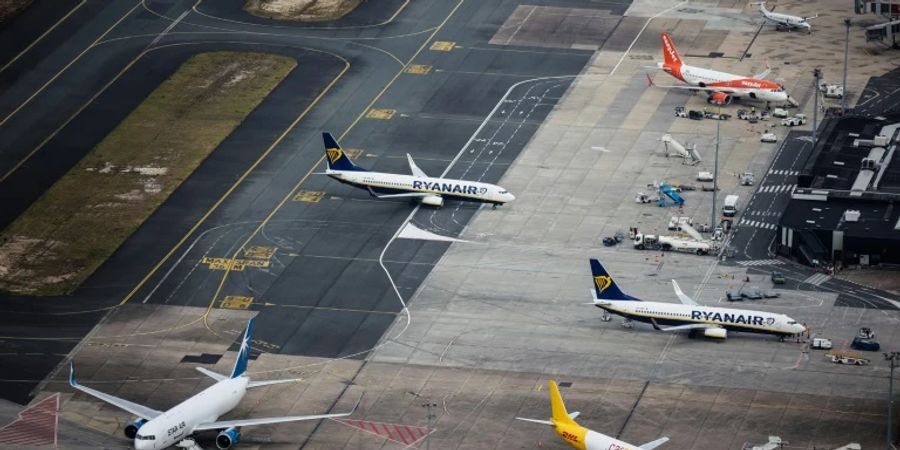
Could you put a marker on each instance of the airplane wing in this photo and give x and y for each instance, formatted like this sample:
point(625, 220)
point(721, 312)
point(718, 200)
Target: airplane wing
point(416, 171)
point(654, 444)
point(692, 88)
point(682, 296)
point(542, 422)
point(131, 407)
point(691, 326)
point(222, 424)
point(813, 17)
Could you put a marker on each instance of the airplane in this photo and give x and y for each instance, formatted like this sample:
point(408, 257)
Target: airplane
point(418, 186)
point(162, 429)
point(722, 87)
point(713, 322)
point(785, 21)
point(578, 436)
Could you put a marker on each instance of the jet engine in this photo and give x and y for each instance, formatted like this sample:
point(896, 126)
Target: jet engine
point(132, 429)
point(228, 438)
point(719, 98)
point(433, 200)
point(718, 333)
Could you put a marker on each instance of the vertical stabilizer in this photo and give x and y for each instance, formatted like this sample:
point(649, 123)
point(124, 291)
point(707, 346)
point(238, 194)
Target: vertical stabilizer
point(335, 157)
point(604, 286)
point(559, 414)
point(240, 365)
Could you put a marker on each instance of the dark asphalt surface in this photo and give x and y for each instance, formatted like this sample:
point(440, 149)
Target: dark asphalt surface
point(323, 292)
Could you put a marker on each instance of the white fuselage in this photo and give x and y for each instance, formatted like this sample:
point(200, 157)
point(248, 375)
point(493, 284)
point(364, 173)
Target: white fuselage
point(786, 20)
point(597, 441)
point(439, 187)
point(741, 86)
point(681, 314)
point(179, 422)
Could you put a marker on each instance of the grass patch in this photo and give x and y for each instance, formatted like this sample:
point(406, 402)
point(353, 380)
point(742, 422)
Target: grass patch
point(301, 10)
point(83, 218)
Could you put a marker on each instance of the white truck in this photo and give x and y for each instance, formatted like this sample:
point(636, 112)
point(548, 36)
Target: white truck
point(821, 344)
point(670, 243)
point(730, 207)
point(797, 120)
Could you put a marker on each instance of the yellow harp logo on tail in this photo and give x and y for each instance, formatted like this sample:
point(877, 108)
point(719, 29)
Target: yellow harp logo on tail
point(602, 282)
point(334, 154)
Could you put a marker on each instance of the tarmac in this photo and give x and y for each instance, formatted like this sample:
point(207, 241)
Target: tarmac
point(488, 321)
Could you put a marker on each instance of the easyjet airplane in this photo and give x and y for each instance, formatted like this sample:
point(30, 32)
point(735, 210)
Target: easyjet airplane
point(722, 87)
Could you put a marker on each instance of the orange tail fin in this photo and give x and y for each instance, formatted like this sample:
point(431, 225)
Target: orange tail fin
point(670, 53)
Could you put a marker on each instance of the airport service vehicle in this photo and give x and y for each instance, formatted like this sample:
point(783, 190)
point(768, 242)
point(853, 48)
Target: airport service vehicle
point(729, 209)
point(770, 138)
point(747, 179)
point(713, 322)
point(704, 176)
point(673, 147)
point(162, 429)
point(429, 191)
point(670, 243)
point(779, 113)
point(752, 294)
point(821, 344)
point(797, 120)
point(733, 296)
point(777, 277)
point(785, 21)
point(832, 90)
point(721, 87)
point(847, 357)
point(578, 436)
point(865, 344)
point(715, 116)
point(676, 222)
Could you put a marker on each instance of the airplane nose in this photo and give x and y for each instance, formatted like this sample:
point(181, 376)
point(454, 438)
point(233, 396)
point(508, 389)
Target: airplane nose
point(511, 197)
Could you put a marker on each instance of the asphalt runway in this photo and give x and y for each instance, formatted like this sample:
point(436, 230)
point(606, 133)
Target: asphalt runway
point(322, 292)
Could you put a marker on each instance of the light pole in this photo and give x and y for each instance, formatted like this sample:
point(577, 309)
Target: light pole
point(712, 214)
point(893, 358)
point(818, 74)
point(846, 51)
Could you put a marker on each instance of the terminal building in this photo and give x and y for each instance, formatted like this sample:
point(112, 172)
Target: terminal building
point(846, 207)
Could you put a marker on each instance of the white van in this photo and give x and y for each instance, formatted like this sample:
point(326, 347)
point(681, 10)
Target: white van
point(730, 208)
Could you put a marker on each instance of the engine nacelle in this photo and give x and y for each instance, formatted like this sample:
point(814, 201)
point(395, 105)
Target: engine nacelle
point(718, 333)
point(433, 200)
point(719, 98)
point(132, 429)
point(227, 438)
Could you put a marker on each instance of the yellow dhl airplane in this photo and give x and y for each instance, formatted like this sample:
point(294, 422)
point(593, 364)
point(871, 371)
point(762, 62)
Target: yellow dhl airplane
point(578, 436)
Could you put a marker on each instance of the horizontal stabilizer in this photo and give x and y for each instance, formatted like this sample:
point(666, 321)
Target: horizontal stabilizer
point(653, 444)
point(542, 422)
point(211, 374)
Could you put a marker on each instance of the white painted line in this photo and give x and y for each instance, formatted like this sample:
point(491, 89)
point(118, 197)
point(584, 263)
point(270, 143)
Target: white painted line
point(169, 28)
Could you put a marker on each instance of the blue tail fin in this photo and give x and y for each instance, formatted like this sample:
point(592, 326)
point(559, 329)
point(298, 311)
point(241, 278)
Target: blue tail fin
point(335, 156)
point(604, 286)
point(240, 365)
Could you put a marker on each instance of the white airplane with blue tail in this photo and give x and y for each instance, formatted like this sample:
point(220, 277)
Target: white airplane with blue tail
point(155, 429)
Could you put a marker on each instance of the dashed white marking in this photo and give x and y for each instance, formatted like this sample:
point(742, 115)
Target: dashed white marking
point(761, 262)
point(817, 279)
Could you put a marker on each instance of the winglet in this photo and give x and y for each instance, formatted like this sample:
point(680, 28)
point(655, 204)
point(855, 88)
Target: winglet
point(240, 365)
point(72, 381)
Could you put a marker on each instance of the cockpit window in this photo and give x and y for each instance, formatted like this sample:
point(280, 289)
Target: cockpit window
point(792, 322)
point(146, 438)
point(504, 192)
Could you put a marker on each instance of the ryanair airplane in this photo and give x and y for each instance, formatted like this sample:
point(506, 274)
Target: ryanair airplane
point(712, 321)
point(418, 186)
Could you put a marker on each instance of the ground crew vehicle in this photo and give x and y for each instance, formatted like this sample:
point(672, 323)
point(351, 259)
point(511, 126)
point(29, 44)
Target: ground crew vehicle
point(675, 222)
point(769, 137)
point(847, 357)
point(797, 120)
point(730, 207)
point(747, 179)
point(777, 277)
point(865, 344)
point(780, 113)
point(733, 296)
point(821, 344)
point(670, 243)
point(680, 112)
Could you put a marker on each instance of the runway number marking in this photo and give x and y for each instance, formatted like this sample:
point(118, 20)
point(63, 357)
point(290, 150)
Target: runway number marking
point(237, 265)
point(260, 252)
point(418, 69)
point(443, 46)
point(309, 196)
point(236, 302)
point(382, 114)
